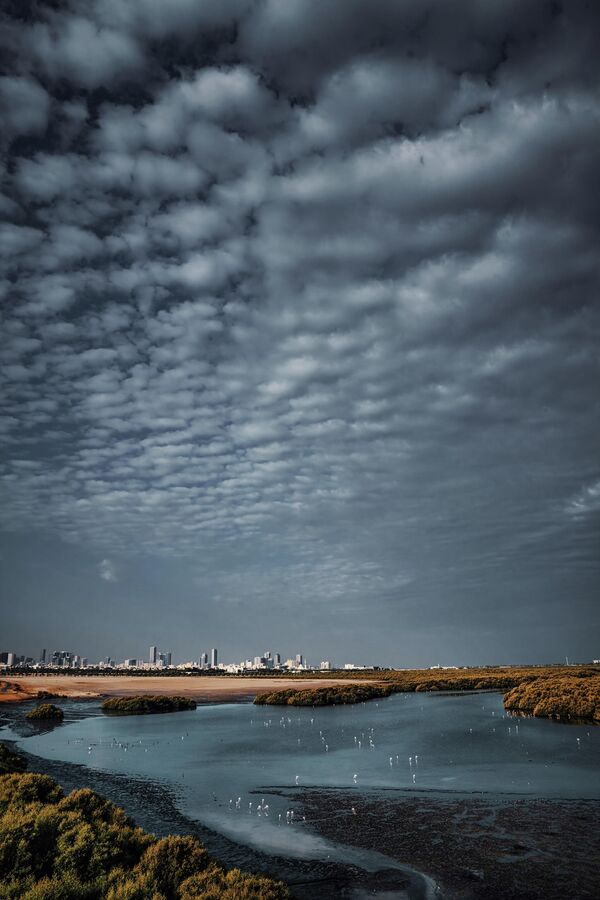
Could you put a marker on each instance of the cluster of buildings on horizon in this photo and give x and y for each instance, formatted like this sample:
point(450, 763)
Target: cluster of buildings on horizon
point(159, 659)
point(163, 659)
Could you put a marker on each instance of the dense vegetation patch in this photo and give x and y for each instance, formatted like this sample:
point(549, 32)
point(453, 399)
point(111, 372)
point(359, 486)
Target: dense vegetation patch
point(146, 703)
point(47, 712)
point(561, 697)
point(578, 692)
point(325, 696)
point(501, 678)
point(54, 847)
point(11, 762)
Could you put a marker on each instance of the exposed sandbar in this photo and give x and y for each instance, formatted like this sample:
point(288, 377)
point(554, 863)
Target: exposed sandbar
point(198, 687)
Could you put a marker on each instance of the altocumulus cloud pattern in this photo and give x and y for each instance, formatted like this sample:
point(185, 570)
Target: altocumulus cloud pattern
point(305, 296)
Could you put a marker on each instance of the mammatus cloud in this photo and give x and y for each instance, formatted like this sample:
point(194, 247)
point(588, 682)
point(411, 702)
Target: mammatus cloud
point(305, 301)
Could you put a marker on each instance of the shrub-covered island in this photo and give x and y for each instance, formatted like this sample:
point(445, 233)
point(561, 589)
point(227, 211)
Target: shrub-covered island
point(54, 847)
point(46, 712)
point(147, 703)
point(562, 697)
point(325, 696)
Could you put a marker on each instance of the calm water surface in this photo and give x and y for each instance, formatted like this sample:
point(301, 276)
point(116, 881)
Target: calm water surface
point(220, 761)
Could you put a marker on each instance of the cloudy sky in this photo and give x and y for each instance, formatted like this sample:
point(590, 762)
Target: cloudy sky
point(300, 329)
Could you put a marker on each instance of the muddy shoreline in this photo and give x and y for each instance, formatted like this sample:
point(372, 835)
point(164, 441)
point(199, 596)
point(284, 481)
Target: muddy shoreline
point(502, 847)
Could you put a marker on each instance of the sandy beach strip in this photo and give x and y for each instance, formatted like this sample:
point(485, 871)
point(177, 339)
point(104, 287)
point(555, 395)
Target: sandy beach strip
point(199, 687)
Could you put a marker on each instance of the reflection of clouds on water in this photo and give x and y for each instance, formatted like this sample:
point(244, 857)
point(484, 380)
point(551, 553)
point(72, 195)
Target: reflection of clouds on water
point(269, 836)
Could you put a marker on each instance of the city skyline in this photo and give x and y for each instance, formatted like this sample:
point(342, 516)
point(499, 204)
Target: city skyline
point(299, 328)
point(269, 659)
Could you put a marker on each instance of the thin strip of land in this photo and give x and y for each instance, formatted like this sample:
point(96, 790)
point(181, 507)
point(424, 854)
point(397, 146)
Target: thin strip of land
point(201, 688)
point(562, 692)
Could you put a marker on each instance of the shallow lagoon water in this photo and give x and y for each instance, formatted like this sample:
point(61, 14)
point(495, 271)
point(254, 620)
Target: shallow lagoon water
point(225, 763)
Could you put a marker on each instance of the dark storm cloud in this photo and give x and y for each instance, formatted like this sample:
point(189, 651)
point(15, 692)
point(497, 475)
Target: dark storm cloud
point(306, 297)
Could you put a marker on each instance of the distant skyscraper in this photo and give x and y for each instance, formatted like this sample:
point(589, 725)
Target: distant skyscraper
point(277, 660)
point(204, 660)
point(168, 658)
point(299, 659)
point(213, 658)
point(43, 657)
point(153, 655)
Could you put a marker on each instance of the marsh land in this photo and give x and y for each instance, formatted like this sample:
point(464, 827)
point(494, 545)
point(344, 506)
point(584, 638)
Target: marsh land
point(392, 795)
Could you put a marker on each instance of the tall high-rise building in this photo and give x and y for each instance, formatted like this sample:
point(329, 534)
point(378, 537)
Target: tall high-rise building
point(168, 657)
point(204, 660)
point(214, 656)
point(43, 657)
point(277, 660)
point(153, 655)
point(299, 659)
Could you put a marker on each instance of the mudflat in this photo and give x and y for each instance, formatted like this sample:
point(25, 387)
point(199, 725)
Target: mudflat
point(198, 687)
point(506, 848)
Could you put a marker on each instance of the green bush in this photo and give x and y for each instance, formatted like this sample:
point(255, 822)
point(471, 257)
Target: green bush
point(215, 884)
point(83, 847)
point(11, 762)
point(326, 696)
point(46, 712)
point(146, 703)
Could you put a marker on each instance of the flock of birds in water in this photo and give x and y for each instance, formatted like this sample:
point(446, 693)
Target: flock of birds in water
point(361, 740)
